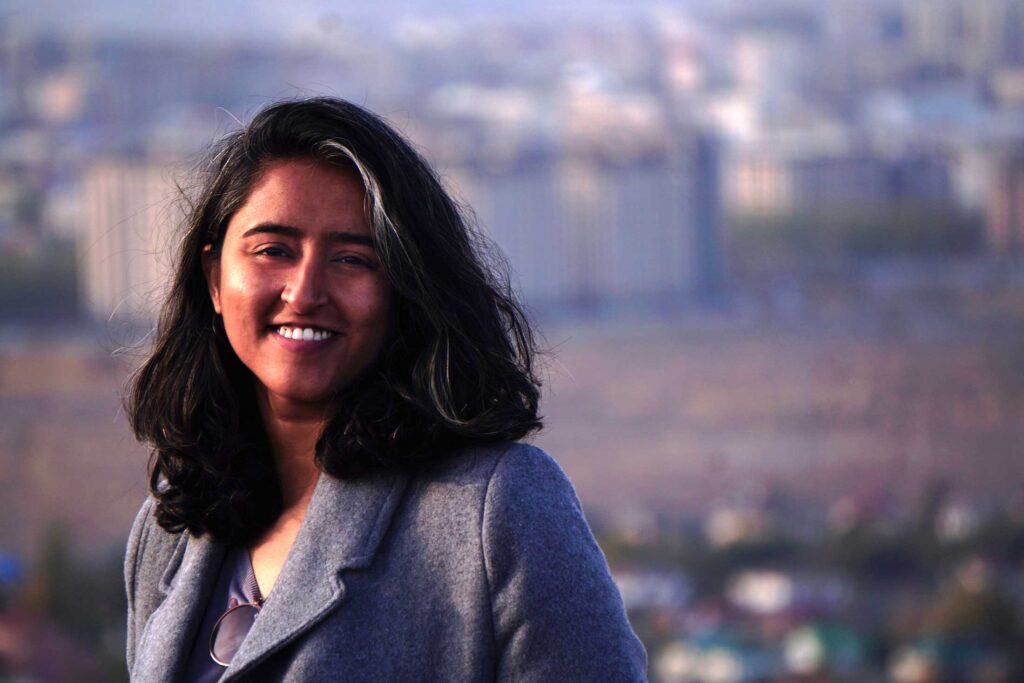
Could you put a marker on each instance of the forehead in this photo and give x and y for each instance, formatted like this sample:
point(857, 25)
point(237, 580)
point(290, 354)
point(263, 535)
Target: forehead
point(306, 194)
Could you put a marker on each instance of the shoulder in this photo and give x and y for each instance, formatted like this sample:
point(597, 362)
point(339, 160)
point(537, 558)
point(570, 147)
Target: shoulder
point(556, 612)
point(150, 551)
point(138, 539)
point(527, 487)
point(148, 542)
point(482, 485)
point(507, 463)
point(528, 506)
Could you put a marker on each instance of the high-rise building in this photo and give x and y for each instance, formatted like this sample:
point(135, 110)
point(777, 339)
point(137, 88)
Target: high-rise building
point(970, 35)
point(1004, 212)
point(125, 251)
point(769, 179)
point(583, 228)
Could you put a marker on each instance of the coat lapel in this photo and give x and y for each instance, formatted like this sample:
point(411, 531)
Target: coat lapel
point(343, 527)
point(167, 638)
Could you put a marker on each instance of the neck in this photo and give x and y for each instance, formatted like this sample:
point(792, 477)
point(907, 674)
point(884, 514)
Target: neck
point(292, 432)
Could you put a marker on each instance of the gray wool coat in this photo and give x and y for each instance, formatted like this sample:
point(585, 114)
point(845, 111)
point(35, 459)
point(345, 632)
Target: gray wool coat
point(482, 570)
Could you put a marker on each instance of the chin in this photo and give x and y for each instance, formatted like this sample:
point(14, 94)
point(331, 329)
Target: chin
point(313, 398)
point(304, 396)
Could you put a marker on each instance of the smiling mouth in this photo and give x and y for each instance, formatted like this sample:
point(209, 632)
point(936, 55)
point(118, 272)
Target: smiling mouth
point(304, 333)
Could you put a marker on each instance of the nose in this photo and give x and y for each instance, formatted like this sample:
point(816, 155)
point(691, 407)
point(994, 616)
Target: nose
point(305, 290)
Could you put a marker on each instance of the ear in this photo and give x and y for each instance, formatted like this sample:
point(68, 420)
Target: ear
point(211, 270)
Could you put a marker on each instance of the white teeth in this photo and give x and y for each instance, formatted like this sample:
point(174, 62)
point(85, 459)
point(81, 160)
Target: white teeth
point(304, 333)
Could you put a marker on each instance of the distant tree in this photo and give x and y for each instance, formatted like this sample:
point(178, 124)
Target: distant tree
point(39, 286)
point(57, 575)
point(85, 601)
point(979, 612)
point(808, 237)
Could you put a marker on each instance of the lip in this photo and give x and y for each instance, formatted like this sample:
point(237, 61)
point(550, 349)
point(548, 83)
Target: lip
point(303, 345)
point(273, 327)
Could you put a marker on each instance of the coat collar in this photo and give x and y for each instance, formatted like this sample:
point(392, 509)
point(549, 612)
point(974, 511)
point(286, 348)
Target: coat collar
point(343, 528)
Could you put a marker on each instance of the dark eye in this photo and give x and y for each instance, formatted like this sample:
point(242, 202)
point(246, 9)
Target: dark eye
point(272, 251)
point(353, 260)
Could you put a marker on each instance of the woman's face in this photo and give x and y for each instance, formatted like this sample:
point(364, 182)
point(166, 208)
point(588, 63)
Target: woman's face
point(305, 302)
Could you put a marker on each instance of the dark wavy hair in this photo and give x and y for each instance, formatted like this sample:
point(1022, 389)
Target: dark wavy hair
point(457, 370)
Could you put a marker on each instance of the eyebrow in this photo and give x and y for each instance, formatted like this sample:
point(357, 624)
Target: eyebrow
point(289, 231)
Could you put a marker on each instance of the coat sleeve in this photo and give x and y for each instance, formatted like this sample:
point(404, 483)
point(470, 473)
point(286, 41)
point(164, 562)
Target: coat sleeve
point(135, 550)
point(557, 614)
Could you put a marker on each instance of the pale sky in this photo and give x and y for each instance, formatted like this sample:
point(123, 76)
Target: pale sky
point(267, 19)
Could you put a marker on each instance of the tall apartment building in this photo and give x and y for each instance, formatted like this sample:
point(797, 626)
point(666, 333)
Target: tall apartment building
point(969, 34)
point(590, 228)
point(128, 216)
point(1004, 212)
point(760, 179)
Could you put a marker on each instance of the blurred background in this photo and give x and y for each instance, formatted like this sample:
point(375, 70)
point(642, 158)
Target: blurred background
point(774, 247)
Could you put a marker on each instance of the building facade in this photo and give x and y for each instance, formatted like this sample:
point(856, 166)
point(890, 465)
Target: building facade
point(129, 213)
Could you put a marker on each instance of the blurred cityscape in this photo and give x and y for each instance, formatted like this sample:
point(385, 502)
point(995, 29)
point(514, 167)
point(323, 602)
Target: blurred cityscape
point(775, 249)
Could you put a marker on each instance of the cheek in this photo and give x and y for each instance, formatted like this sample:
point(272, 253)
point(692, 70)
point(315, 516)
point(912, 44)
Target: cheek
point(371, 306)
point(243, 295)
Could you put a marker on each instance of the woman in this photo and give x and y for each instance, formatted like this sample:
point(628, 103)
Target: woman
point(333, 400)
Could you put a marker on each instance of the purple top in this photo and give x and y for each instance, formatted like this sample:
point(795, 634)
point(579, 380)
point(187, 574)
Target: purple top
point(236, 583)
